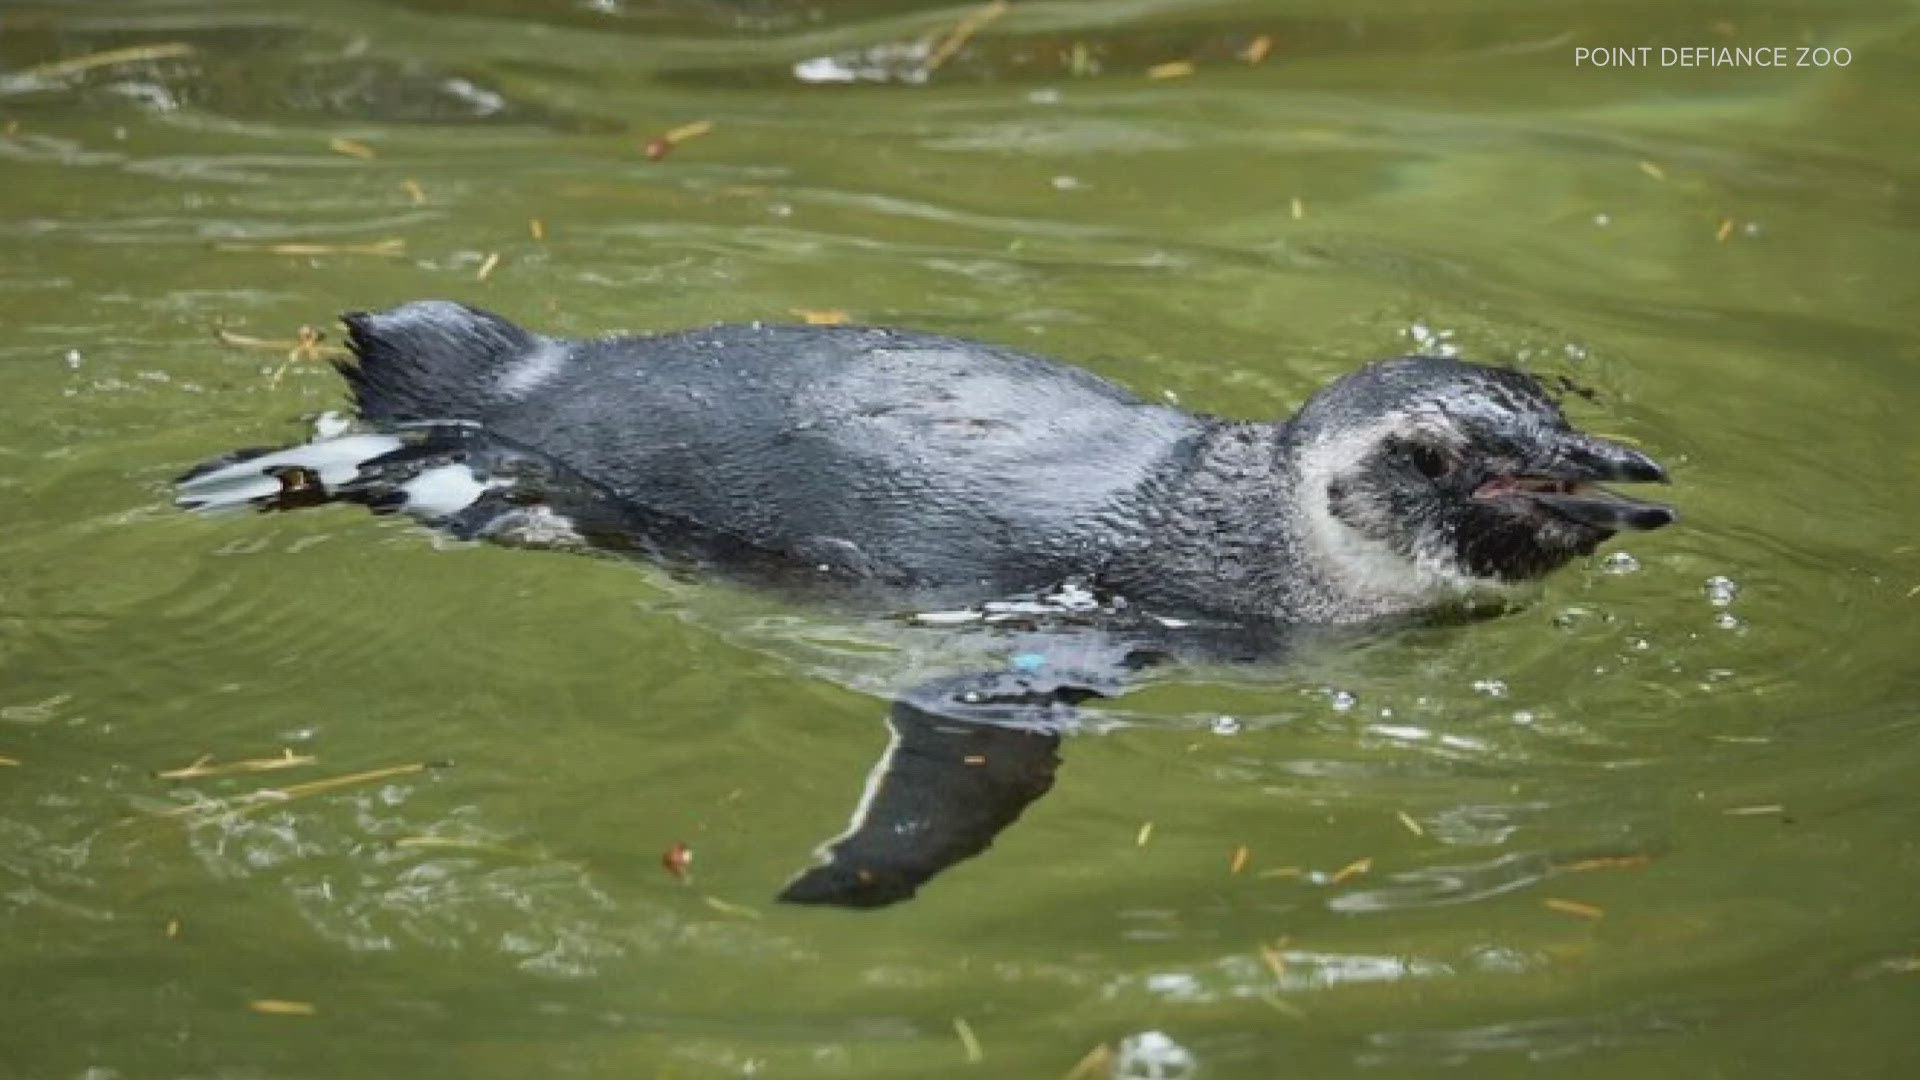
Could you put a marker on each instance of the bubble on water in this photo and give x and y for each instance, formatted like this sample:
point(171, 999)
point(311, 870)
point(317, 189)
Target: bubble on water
point(1523, 716)
point(1727, 620)
point(1226, 725)
point(1153, 1055)
point(1067, 183)
point(1721, 590)
point(1640, 644)
point(1620, 562)
point(1341, 700)
point(1602, 220)
point(73, 358)
point(1431, 341)
point(1490, 687)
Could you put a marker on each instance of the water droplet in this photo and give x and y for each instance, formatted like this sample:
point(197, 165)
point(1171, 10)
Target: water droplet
point(1721, 590)
point(1226, 725)
point(1151, 1055)
point(1620, 562)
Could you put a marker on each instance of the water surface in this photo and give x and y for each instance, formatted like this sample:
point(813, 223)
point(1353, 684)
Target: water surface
point(1659, 822)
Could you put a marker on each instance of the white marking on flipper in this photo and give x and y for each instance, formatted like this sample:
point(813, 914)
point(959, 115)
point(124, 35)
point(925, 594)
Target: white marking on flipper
point(336, 461)
point(442, 491)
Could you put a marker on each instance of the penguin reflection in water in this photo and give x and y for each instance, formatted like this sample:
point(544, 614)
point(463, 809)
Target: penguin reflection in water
point(908, 469)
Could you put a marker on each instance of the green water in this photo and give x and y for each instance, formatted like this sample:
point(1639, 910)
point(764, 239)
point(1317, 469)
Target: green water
point(1725, 255)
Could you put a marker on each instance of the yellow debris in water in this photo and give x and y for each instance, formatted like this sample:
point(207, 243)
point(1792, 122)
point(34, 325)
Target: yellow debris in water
point(1172, 69)
point(1352, 870)
point(132, 54)
point(1257, 49)
point(963, 31)
point(352, 148)
point(277, 1007)
point(487, 266)
point(820, 318)
point(1240, 857)
point(968, 1041)
point(1575, 908)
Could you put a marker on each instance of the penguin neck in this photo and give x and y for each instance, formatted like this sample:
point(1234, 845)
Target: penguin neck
point(1245, 527)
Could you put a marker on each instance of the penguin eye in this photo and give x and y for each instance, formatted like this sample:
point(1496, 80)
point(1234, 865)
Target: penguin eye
point(1431, 462)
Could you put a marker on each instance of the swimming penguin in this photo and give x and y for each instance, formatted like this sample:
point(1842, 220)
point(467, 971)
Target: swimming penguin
point(956, 470)
point(947, 471)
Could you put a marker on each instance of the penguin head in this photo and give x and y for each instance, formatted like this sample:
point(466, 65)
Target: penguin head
point(1459, 475)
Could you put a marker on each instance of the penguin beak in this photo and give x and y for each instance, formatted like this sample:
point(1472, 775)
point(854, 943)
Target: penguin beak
point(1563, 480)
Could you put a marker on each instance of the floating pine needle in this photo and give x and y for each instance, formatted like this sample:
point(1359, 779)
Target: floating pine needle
point(1097, 1065)
point(974, 759)
point(253, 800)
point(1352, 870)
point(537, 229)
point(277, 1007)
point(1609, 862)
point(1412, 825)
point(8, 761)
point(352, 148)
point(1257, 49)
point(1275, 960)
point(1653, 170)
point(1575, 908)
point(726, 907)
point(677, 860)
point(1754, 811)
point(132, 54)
point(1725, 230)
point(454, 842)
point(390, 246)
point(1240, 857)
point(956, 39)
point(306, 349)
point(1145, 834)
point(968, 1042)
point(416, 193)
point(1172, 69)
point(203, 767)
point(820, 318)
point(662, 146)
point(487, 266)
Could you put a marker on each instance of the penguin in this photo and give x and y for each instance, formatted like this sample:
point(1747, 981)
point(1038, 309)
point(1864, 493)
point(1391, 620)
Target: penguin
point(916, 469)
point(955, 471)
